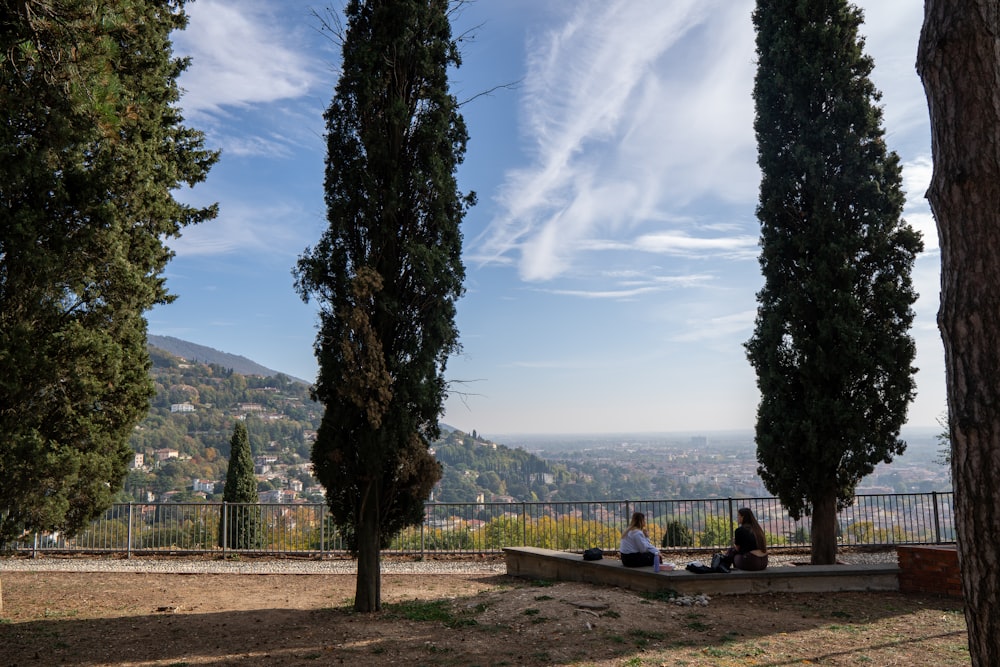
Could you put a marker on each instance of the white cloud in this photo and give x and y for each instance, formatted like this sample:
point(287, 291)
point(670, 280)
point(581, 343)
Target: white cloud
point(241, 55)
point(682, 244)
point(630, 122)
point(723, 326)
point(242, 228)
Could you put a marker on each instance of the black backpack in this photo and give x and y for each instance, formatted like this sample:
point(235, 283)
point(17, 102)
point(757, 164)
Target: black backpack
point(593, 554)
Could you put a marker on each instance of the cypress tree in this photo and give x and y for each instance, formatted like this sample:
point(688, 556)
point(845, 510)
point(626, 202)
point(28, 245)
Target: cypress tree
point(92, 148)
point(831, 348)
point(239, 528)
point(386, 272)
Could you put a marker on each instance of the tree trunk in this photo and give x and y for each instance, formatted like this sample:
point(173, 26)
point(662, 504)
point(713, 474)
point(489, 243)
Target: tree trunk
point(959, 63)
point(368, 588)
point(824, 530)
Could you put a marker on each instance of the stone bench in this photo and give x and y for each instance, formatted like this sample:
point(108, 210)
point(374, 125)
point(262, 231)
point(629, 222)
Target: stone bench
point(535, 563)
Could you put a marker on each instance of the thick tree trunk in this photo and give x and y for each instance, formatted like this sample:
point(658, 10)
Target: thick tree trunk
point(824, 530)
point(368, 588)
point(959, 63)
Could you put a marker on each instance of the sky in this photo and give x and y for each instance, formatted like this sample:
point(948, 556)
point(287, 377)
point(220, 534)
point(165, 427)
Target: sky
point(611, 262)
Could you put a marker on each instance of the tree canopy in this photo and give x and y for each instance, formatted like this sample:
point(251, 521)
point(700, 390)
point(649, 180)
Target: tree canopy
point(831, 348)
point(387, 271)
point(92, 148)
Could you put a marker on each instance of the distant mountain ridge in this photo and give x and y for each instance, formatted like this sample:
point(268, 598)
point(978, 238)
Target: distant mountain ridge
point(207, 355)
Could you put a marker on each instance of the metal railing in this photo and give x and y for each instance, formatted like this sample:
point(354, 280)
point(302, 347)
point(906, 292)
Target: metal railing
point(449, 528)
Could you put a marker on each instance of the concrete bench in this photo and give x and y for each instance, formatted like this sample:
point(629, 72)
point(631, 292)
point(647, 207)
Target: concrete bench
point(535, 563)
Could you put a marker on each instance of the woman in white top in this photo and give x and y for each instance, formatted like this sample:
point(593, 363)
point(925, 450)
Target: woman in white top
point(636, 550)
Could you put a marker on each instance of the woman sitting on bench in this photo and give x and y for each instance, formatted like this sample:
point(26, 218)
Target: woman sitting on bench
point(636, 550)
point(749, 550)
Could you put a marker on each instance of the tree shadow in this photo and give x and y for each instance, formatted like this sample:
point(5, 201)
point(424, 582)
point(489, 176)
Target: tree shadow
point(512, 622)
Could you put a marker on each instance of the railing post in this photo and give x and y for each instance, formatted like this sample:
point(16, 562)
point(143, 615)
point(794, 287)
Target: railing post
point(524, 524)
point(128, 553)
point(937, 519)
point(225, 528)
point(322, 530)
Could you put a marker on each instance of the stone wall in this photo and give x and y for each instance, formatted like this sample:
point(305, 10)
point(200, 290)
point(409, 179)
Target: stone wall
point(929, 569)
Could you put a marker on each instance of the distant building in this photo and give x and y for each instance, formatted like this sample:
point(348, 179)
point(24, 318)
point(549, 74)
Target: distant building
point(138, 460)
point(204, 485)
point(699, 441)
point(164, 454)
point(281, 496)
point(181, 407)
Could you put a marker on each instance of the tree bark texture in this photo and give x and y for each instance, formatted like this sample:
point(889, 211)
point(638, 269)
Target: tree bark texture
point(959, 64)
point(824, 530)
point(368, 587)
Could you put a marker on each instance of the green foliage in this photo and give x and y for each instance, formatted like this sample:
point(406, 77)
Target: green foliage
point(718, 532)
point(240, 524)
point(475, 466)
point(202, 437)
point(92, 148)
point(677, 534)
point(830, 347)
point(387, 271)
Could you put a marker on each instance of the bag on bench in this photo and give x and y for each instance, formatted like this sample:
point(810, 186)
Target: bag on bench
point(593, 554)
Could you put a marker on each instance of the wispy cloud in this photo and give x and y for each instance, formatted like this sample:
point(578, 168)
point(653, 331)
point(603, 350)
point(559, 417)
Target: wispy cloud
point(723, 326)
point(673, 243)
point(241, 55)
point(629, 124)
point(280, 232)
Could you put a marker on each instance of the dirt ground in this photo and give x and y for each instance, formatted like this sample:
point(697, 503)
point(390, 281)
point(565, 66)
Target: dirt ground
point(131, 619)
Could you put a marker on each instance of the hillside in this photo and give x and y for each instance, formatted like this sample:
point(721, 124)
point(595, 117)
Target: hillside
point(186, 435)
point(184, 441)
point(207, 355)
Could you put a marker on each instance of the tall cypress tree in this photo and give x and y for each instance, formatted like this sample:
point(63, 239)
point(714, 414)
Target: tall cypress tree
point(386, 272)
point(831, 346)
point(239, 527)
point(92, 147)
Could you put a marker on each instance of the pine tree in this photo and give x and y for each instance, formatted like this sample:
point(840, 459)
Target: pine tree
point(91, 149)
point(386, 272)
point(831, 346)
point(959, 68)
point(240, 524)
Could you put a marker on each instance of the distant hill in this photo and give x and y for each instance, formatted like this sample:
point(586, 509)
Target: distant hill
point(207, 355)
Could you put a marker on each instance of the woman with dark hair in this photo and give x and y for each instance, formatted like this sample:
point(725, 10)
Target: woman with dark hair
point(635, 548)
point(749, 550)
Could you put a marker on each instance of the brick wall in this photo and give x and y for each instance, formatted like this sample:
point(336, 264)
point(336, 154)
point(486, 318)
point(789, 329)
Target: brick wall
point(929, 569)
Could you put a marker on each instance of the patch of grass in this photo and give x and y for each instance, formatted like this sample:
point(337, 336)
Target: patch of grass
point(531, 612)
point(542, 583)
point(611, 613)
point(840, 614)
point(312, 656)
point(437, 611)
point(661, 596)
point(539, 598)
point(69, 613)
point(698, 626)
point(643, 637)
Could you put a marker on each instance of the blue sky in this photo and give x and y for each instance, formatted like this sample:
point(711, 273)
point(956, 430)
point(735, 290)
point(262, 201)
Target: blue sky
point(612, 258)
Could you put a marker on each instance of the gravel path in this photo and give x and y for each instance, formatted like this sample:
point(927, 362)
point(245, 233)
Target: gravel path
point(263, 565)
point(180, 565)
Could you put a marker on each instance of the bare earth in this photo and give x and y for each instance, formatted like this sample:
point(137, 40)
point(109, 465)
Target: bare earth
point(69, 618)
